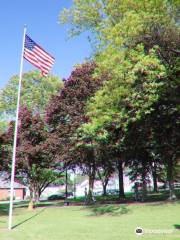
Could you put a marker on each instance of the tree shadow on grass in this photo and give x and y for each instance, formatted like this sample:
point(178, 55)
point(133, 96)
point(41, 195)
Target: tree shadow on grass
point(2, 221)
point(4, 209)
point(161, 203)
point(26, 220)
point(111, 210)
point(177, 226)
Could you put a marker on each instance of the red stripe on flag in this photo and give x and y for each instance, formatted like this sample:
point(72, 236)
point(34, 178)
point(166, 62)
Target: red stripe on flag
point(42, 53)
point(37, 56)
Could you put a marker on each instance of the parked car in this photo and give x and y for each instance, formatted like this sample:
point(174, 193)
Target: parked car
point(57, 197)
point(177, 185)
point(69, 194)
point(162, 185)
point(99, 193)
point(112, 192)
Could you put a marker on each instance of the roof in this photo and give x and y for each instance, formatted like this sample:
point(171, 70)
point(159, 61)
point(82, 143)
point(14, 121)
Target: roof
point(6, 184)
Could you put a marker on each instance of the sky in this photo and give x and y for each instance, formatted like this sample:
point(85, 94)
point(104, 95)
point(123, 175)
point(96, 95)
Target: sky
point(41, 18)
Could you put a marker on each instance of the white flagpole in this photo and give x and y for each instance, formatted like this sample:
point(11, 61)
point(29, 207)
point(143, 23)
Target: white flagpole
point(15, 136)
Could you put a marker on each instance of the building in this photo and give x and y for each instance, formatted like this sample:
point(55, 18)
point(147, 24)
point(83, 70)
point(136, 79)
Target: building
point(19, 190)
point(113, 184)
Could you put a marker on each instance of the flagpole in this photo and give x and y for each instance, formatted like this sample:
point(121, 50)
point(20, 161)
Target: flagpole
point(15, 135)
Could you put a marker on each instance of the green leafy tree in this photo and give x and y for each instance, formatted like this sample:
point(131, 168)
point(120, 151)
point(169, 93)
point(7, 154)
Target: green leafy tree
point(36, 91)
point(137, 44)
point(116, 26)
point(3, 125)
point(43, 177)
point(106, 166)
point(123, 101)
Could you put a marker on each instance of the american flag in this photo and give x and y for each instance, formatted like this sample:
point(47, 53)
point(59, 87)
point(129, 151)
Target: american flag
point(37, 56)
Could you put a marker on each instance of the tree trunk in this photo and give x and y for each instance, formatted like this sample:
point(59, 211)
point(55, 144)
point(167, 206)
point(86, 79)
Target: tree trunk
point(144, 189)
point(31, 201)
point(66, 185)
point(144, 183)
point(121, 180)
point(91, 173)
point(90, 192)
point(154, 175)
point(74, 188)
point(104, 188)
point(104, 180)
point(170, 179)
point(37, 195)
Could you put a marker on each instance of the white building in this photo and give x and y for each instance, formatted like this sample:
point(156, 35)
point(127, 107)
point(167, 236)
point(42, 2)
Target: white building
point(112, 184)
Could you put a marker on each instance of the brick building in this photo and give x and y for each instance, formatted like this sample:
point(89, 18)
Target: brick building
point(19, 190)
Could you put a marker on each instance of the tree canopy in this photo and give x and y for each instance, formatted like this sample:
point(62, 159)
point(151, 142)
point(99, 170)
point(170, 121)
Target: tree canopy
point(137, 45)
point(67, 109)
point(120, 110)
point(35, 94)
point(35, 163)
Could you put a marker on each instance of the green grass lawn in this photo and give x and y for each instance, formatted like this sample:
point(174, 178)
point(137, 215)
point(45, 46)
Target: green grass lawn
point(105, 222)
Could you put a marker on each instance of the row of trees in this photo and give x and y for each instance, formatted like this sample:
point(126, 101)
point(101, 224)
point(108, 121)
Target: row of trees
point(136, 112)
point(119, 111)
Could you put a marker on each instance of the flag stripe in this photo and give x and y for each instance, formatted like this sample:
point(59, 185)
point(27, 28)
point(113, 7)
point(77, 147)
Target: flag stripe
point(43, 51)
point(44, 54)
point(37, 56)
point(31, 58)
point(34, 63)
point(41, 61)
point(45, 61)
